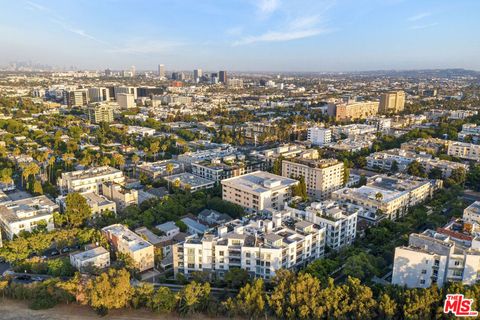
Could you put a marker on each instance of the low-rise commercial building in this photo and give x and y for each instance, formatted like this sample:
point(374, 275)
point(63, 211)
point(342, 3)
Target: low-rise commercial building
point(258, 190)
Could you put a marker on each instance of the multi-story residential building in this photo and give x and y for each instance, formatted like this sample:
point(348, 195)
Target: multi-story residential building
point(322, 176)
point(381, 123)
point(319, 136)
point(392, 102)
point(122, 196)
point(287, 151)
point(385, 160)
point(141, 131)
point(430, 145)
point(261, 247)
point(89, 180)
point(218, 170)
point(97, 257)
point(436, 258)
point(189, 181)
point(159, 169)
point(128, 242)
point(471, 214)
point(226, 153)
point(352, 130)
point(98, 204)
point(391, 196)
point(126, 100)
point(100, 112)
point(470, 131)
point(26, 215)
point(235, 83)
point(340, 222)
point(468, 151)
point(352, 111)
point(258, 190)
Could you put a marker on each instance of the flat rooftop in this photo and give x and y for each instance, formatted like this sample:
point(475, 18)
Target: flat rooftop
point(28, 208)
point(90, 254)
point(90, 173)
point(259, 181)
point(189, 179)
point(134, 241)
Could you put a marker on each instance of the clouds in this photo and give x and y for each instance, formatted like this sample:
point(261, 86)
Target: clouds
point(419, 16)
point(289, 22)
point(266, 7)
point(418, 19)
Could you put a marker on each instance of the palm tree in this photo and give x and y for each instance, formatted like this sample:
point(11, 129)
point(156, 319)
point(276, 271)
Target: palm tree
point(135, 160)
point(169, 168)
point(379, 196)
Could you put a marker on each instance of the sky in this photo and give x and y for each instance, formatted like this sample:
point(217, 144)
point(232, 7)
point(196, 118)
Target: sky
point(242, 35)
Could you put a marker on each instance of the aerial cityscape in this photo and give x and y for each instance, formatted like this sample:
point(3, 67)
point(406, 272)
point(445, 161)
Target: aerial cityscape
point(240, 159)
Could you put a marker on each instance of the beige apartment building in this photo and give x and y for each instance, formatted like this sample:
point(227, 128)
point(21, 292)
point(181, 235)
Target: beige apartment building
point(352, 111)
point(258, 190)
point(322, 176)
point(128, 242)
point(89, 180)
point(100, 112)
point(392, 102)
point(463, 150)
point(120, 195)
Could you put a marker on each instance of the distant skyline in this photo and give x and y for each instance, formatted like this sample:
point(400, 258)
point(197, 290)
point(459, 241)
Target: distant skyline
point(243, 35)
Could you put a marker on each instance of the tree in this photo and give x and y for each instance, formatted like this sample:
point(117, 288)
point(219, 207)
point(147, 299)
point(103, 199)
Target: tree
point(169, 167)
point(322, 268)
point(394, 167)
point(360, 266)
point(37, 188)
point(163, 300)
point(236, 277)
point(250, 301)
point(277, 166)
point(194, 297)
point(77, 209)
point(110, 290)
point(387, 307)
point(435, 173)
point(415, 168)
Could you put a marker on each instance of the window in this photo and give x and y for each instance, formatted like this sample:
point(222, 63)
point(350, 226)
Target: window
point(220, 253)
point(457, 263)
point(424, 271)
point(422, 281)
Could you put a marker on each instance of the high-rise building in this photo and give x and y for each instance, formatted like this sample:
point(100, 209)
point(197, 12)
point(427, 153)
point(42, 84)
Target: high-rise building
point(108, 73)
point(75, 97)
point(161, 71)
point(126, 100)
point(131, 90)
point(222, 75)
point(133, 70)
point(100, 113)
point(197, 75)
point(392, 102)
point(98, 94)
point(352, 111)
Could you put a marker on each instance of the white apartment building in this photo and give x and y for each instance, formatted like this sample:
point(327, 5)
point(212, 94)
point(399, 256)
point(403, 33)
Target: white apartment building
point(190, 182)
point(340, 222)
point(128, 242)
point(384, 160)
point(89, 180)
point(126, 100)
point(140, 131)
point(436, 258)
point(158, 169)
point(98, 204)
point(98, 257)
point(218, 170)
point(471, 214)
point(470, 130)
point(287, 151)
point(322, 177)
point(319, 136)
point(260, 247)
point(389, 196)
point(468, 151)
point(258, 190)
point(26, 214)
point(120, 195)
